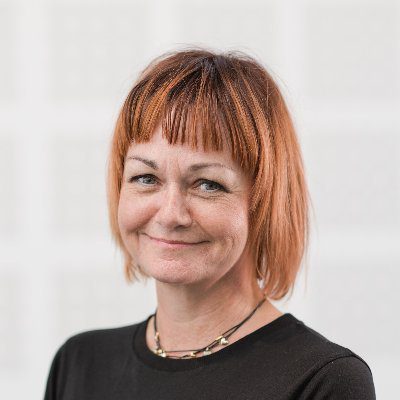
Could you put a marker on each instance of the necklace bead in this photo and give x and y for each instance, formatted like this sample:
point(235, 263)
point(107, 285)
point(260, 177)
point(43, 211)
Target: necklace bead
point(207, 352)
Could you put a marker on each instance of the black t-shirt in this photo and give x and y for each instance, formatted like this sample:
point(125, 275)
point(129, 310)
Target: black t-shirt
point(282, 360)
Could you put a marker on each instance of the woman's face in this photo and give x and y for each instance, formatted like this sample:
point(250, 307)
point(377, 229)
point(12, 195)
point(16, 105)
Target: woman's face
point(171, 192)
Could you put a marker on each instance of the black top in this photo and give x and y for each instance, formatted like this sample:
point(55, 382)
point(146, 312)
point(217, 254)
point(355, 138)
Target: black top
point(284, 359)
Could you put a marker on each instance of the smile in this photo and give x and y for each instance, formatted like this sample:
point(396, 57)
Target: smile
point(171, 244)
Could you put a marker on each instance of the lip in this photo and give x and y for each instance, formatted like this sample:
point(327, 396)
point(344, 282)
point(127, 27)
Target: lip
point(171, 243)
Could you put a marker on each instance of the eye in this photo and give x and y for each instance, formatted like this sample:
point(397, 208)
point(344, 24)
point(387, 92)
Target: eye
point(146, 179)
point(217, 186)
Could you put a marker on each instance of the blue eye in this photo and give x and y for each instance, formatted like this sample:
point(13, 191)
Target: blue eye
point(217, 186)
point(146, 178)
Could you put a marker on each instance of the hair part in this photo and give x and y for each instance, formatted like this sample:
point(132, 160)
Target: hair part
point(223, 99)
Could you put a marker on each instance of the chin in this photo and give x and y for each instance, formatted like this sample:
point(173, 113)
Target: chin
point(173, 273)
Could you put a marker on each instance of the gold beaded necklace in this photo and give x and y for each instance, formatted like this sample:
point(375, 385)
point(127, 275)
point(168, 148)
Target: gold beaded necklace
point(220, 340)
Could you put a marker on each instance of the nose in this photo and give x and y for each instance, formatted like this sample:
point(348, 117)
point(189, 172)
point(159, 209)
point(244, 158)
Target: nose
point(173, 210)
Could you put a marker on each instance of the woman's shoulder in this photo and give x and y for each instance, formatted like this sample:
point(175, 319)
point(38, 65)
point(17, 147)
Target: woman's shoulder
point(325, 367)
point(301, 339)
point(99, 335)
point(89, 360)
point(100, 342)
point(345, 377)
point(305, 343)
point(102, 346)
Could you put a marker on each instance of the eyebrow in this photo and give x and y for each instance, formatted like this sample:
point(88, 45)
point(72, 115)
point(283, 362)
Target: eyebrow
point(193, 167)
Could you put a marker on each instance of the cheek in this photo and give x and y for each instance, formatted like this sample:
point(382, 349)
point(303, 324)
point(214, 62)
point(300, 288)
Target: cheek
point(132, 213)
point(228, 221)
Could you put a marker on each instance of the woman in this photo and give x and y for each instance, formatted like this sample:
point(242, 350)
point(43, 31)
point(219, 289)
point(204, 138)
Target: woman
point(207, 196)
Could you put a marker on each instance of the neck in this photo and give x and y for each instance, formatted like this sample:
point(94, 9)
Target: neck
point(192, 317)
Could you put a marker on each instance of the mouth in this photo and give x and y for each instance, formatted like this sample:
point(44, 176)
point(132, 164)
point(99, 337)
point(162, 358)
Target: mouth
point(172, 243)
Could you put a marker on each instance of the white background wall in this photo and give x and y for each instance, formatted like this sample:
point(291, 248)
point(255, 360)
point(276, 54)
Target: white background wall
point(65, 69)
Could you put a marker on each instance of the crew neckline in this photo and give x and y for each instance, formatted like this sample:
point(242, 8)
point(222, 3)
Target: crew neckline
point(146, 356)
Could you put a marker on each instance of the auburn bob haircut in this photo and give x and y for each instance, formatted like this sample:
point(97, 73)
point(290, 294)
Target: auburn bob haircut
point(225, 98)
